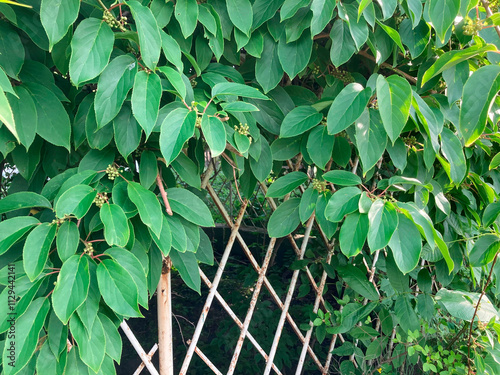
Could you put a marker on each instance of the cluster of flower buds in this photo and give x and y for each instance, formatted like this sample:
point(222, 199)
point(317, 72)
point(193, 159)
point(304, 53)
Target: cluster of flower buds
point(101, 199)
point(198, 122)
point(89, 249)
point(316, 70)
point(472, 27)
point(113, 22)
point(373, 103)
point(343, 75)
point(112, 172)
point(318, 185)
point(57, 222)
point(410, 141)
point(193, 82)
point(243, 129)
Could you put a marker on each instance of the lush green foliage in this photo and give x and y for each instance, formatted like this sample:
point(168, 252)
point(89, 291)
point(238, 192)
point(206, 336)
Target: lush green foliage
point(378, 118)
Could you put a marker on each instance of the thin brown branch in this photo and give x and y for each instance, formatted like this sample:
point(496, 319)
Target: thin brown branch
point(163, 193)
point(389, 66)
point(489, 14)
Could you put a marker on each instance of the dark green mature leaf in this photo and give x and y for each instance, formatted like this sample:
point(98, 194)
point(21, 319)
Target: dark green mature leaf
point(262, 168)
point(342, 202)
point(113, 338)
point(187, 265)
point(268, 70)
point(6, 115)
point(172, 50)
point(405, 313)
point(415, 37)
point(299, 120)
point(127, 131)
point(394, 96)
point(23, 199)
point(322, 14)
point(149, 33)
point(11, 230)
point(116, 230)
point(320, 146)
point(76, 200)
point(91, 344)
point(53, 122)
point(148, 206)
point(442, 14)
point(148, 169)
point(294, 56)
point(57, 16)
point(353, 233)
point(479, 92)
point(186, 13)
point(342, 178)
point(286, 184)
point(347, 107)
point(10, 41)
point(176, 129)
point(190, 207)
point(371, 138)
point(164, 240)
point(214, 133)
point(233, 88)
point(484, 251)
point(406, 244)
point(48, 363)
point(308, 203)
point(36, 249)
point(91, 48)
point(452, 151)
point(146, 97)
point(67, 240)
point(358, 281)
point(28, 327)
point(285, 219)
point(491, 213)
point(118, 288)
point(25, 114)
point(178, 233)
point(175, 79)
point(241, 14)
point(71, 287)
point(383, 220)
point(114, 84)
point(462, 305)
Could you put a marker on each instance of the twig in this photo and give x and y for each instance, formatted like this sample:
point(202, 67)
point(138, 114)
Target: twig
point(163, 194)
point(475, 312)
point(489, 14)
point(389, 66)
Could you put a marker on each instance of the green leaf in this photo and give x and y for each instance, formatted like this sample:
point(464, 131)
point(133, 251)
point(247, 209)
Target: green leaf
point(25, 115)
point(118, 288)
point(57, 16)
point(371, 138)
point(13, 61)
point(176, 129)
point(149, 33)
point(48, 363)
point(405, 313)
point(342, 202)
point(76, 200)
point(353, 233)
point(72, 287)
point(36, 249)
point(358, 281)
point(342, 178)
point(442, 14)
point(241, 14)
point(262, 168)
point(164, 240)
point(416, 37)
point(171, 50)
point(186, 13)
point(146, 97)
point(53, 122)
point(148, 206)
point(6, 115)
point(393, 34)
point(452, 58)
point(299, 120)
point(187, 170)
point(484, 251)
point(190, 207)
point(92, 344)
point(347, 107)
point(28, 327)
point(12, 230)
point(232, 88)
point(491, 213)
point(268, 70)
point(462, 305)
point(148, 169)
point(23, 199)
point(322, 14)
point(127, 131)
point(495, 162)
point(91, 48)
point(452, 151)
point(116, 231)
point(479, 93)
point(214, 133)
point(320, 146)
point(383, 220)
point(239, 107)
point(307, 204)
point(394, 96)
point(97, 138)
point(285, 219)
point(294, 56)
point(179, 237)
point(134, 267)
point(286, 184)
point(187, 265)
point(175, 79)
point(343, 46)
point(406, 244)
point(67, 240)
point(113, 338)
point(114, 84)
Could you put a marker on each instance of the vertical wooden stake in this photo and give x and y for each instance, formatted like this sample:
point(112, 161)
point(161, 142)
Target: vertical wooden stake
point(164, 302)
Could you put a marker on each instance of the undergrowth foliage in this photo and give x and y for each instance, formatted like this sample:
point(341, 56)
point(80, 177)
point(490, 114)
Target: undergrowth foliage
point(378, 118)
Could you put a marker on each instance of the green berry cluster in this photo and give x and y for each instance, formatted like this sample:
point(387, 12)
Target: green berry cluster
point(410, 141)
point(343, 75)
point(399, 19)
point(101, 199)
point(113, 22)
point(89, 249)
point(193, 82)
point(112, 172)
point(472, 27)
point(198, 122)
point(318, 185)
point(243, 129)
point(57, 222)
point(315, 70)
